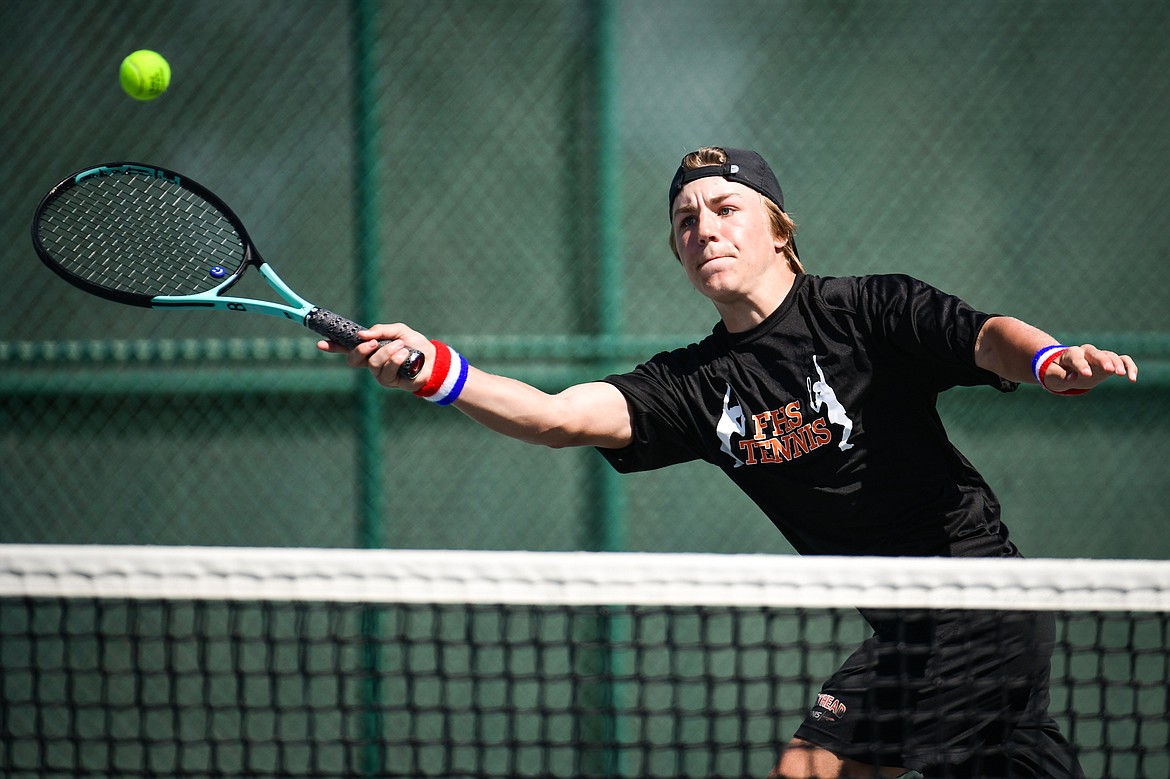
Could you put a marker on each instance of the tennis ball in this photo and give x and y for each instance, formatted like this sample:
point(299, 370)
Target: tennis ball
point(145, 74)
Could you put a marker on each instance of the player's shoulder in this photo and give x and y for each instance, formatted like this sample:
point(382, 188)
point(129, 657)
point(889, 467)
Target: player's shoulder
point(690, 358)
point(680, 364)
point(851, 293)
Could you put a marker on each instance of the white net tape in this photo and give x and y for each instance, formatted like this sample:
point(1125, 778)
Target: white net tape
point(580, 578)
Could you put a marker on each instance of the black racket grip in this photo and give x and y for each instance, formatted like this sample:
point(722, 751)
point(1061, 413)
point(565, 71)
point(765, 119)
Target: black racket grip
point(345, 332)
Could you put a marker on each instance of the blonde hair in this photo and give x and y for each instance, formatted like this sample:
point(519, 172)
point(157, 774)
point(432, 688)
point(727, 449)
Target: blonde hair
point(783, 228)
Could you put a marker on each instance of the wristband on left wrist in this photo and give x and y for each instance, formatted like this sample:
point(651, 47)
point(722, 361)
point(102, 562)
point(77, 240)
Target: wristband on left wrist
point(1044, 358)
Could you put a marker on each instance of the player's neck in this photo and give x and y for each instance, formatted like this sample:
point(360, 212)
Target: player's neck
point(750, 310)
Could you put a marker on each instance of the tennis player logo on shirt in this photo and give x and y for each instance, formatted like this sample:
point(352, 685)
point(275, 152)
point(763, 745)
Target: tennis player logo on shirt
point(821, 394)
point(731, 422)
point(783, 434)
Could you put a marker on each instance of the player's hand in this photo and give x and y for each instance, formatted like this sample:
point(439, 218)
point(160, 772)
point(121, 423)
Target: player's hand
point(1084, 367)
point(383, 350)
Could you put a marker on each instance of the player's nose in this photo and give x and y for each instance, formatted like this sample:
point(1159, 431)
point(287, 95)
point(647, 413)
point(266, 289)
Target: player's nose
point(706, 227)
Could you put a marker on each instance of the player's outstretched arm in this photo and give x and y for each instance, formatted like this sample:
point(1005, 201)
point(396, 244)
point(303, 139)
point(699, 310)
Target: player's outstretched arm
point(1020, 352)
point(590, 414)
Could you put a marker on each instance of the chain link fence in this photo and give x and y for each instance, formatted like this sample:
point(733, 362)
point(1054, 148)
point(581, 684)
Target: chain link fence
point(495, 174)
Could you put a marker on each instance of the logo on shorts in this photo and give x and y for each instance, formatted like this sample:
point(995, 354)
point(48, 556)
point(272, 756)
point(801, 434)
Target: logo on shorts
point(828, 708)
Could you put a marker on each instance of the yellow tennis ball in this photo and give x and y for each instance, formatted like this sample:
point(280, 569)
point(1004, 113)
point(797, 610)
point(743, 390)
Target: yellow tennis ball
point(145, 74)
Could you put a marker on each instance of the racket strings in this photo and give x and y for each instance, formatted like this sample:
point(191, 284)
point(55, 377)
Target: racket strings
point(143, 235)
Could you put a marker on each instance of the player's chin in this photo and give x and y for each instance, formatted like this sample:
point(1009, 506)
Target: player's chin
point(711, 279)
point(718, 287)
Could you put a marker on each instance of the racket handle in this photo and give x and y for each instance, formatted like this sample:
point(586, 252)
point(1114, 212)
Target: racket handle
point(345, 332)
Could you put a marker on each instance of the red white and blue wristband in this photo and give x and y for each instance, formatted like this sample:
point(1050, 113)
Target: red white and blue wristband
point(448, 375)
point(1042, 360)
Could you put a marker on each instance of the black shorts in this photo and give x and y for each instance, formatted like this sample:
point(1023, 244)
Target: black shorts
point(949, 693)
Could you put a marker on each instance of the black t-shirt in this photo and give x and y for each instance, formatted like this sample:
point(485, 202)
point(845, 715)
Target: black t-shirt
point(824, 415)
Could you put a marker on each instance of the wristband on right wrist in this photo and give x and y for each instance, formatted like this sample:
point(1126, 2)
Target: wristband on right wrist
point(447, 378)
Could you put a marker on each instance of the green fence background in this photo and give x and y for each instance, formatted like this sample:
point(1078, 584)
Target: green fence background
point(495, 175)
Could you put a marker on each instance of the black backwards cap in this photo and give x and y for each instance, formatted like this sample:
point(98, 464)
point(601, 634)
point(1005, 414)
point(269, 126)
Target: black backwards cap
point(743, 167)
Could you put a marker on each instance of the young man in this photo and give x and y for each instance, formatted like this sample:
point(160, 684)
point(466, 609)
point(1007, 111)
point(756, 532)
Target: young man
point(816, 396)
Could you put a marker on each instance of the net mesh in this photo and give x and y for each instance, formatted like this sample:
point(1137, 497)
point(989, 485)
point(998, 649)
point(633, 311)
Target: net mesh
point(220, 662)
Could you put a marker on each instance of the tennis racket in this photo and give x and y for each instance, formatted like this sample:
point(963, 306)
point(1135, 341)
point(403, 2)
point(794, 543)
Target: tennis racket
point(146, 236)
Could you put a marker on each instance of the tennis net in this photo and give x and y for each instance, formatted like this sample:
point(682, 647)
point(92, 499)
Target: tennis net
point(214, 662)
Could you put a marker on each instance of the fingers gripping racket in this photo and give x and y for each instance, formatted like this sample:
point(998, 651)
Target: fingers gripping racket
point(146, 236)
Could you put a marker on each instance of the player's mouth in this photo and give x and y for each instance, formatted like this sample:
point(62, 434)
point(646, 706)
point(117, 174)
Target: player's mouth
point(713, 258)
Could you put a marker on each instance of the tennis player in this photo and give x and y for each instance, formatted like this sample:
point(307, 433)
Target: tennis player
point(816, 396)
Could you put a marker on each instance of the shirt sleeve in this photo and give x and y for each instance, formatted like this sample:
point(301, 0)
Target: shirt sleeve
point(659, 414)
point(932, 332)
